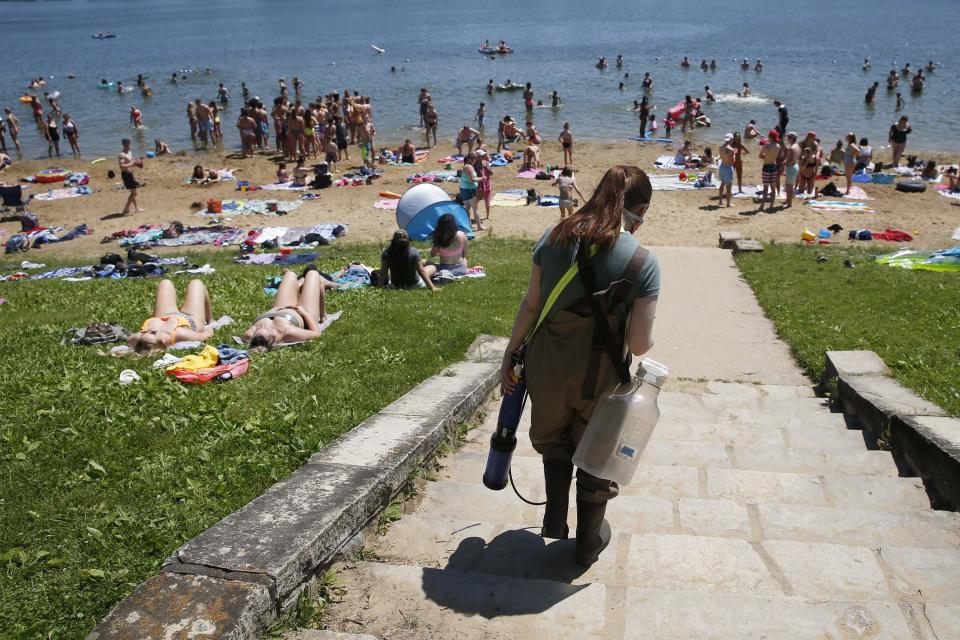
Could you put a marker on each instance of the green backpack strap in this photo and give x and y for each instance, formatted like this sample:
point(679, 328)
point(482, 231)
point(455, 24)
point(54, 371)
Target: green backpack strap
point(565, 280)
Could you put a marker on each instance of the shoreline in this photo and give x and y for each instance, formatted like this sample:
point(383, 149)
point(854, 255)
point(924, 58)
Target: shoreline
point(681, 218)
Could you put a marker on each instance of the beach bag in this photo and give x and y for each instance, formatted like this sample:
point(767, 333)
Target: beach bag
point(95, 333)
point(29, 221)
point(214, 206)
point(831, 190)
point(17, 242)
point(532, 196)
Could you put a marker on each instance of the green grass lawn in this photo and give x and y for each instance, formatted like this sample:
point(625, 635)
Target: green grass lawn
point(100, 482)
point(910, 318)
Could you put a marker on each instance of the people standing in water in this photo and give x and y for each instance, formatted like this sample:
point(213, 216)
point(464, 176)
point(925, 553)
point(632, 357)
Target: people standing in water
point(899, 131)
point(430, 121)
point(136, 117)
point(562, 400)
point(871, 96)
point(53, 135)
point(72, 134)
point(423, 100)
point(528, 97)
point(204, 122)
point(13, 127)
point(566, 142)
point(644, 115)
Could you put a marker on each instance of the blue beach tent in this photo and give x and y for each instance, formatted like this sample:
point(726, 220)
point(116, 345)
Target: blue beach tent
point(422, 205)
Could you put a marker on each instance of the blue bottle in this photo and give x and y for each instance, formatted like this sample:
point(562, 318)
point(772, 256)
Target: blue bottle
point(504, 439)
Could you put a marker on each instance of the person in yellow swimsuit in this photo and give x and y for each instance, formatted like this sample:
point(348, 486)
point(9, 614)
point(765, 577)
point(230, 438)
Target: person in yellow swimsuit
point(170, 324)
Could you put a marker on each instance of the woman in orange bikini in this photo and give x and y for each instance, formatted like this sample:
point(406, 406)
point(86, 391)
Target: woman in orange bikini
point(169, 324)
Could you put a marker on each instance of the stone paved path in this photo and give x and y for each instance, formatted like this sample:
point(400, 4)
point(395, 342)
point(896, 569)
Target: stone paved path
point(756, 513)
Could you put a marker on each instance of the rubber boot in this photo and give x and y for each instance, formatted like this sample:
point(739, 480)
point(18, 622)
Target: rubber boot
point(593, 532)
point(557, 475)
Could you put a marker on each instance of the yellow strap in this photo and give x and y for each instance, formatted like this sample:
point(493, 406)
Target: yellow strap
point(555, 293)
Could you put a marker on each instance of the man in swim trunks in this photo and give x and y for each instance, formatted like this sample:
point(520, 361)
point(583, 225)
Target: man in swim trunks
point(127, 163)
point(727, 153)
point(791, 167)
point(467, 136)
point(768, 157)
point(204, 121)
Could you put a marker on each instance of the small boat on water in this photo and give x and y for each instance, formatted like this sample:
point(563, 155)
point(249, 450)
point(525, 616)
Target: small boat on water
point(377, 49)
point(104, 35)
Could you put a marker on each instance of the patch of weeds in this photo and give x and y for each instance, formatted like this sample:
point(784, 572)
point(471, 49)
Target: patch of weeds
point(392, 513)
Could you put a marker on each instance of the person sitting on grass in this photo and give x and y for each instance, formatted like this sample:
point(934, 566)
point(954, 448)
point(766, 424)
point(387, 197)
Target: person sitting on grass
point(297, 312)
point(170, 325)
point(401, 266)
point(450, 243)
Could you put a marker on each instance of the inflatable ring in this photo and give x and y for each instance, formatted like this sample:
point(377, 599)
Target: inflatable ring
point(26, 99)
point(51, 175)
point(912, 186)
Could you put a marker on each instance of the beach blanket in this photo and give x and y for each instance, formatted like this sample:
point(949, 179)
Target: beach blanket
point(666, 162)
point(276, 258)
point(255, 207)
point(446, 277)
point(217, 235)
point(450, 159)
point(549, 201)
point(857, 193)
point(944, 190)
point(281, 186)
point(531, 174)
point(386, 203)
point(946, 260)
point(670, 182)
point(434, 176)
point(839, 205)
point(89, 272)
point(330, 319)
point(60, 194)
point(322, 233)
point(500, 160)
point(510, 198)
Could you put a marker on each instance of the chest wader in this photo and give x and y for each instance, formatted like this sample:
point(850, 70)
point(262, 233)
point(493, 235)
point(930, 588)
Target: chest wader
point(567, 372)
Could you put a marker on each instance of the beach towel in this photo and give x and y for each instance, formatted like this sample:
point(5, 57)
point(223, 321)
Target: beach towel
point(670, 182)
point(255, 207)
point(450, 159)
point(946, 193)
point(281, 186)
point(666, 162)
point(386, 203)
point(277, 258)
point(419, 156)
point(223, 175)
point(510, 198)
point(882, 178)
point(446, 277)
point(549, 201)
point(60, 194)
point(839, 205)
point(857, 193)
point(441, 175)
point(892, 235)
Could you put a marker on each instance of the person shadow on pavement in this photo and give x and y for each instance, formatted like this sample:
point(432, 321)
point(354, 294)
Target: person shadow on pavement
point(473, 581)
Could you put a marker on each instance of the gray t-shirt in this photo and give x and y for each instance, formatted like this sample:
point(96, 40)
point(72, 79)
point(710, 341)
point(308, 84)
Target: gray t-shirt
point(608, 265)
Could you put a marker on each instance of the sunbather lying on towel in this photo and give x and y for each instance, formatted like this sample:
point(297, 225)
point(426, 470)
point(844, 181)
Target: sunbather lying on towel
point(206, 176)
point(298, 309)
point(170, 325)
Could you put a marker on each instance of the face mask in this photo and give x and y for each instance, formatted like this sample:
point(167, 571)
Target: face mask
point(633, 218)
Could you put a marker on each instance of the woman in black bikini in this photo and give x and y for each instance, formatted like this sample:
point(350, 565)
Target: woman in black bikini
point(298, 310)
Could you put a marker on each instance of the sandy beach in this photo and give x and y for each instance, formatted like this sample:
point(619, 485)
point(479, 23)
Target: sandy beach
point(687, 218)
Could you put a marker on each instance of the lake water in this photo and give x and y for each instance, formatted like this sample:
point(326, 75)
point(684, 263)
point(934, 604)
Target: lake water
point(812, 53)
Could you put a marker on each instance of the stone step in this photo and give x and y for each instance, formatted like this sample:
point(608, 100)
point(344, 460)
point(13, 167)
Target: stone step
point(737, 435)
point(738, 389)
point(419, 603)
point(469, 464)
point(439, 541)
point(740, 402)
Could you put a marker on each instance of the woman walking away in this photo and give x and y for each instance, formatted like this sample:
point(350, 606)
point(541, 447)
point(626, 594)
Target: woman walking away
point(298, 310)
point(170, 324)
point(899, 131)
point(563, 391)
point(850, 156)
point(568, 186)
point(450, 243)
point(72, 133)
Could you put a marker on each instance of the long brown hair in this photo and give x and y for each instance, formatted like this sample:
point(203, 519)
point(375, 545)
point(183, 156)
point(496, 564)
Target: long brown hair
point(599, 220)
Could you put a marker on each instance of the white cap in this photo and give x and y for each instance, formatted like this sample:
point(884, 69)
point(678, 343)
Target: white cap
point(654, 372)
point(728, 137)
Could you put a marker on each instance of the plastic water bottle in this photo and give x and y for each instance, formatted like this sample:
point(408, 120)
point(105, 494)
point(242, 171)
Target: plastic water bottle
point(621, 426)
